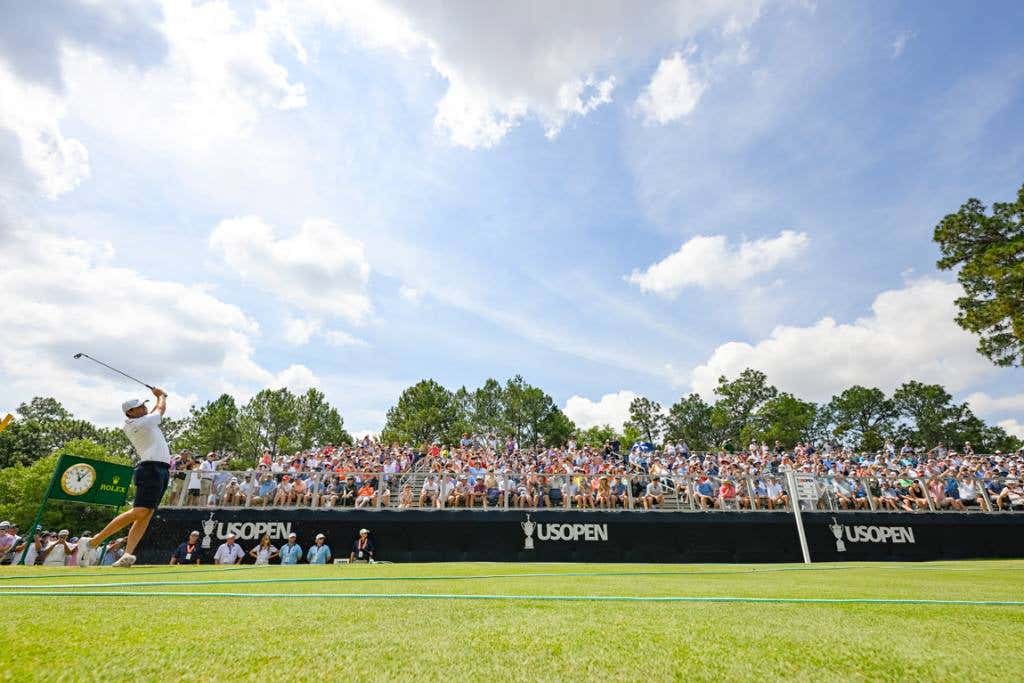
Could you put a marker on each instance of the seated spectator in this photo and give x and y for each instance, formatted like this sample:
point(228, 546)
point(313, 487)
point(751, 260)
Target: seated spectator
point(495, 490)
point(477, 492)
point(266, 492)
point(405, 497)
point(283, 497)
point(654, 494)
point(915, 498)
point(727, 495)
point(967, 492)
point(365, 495)
point(843, 492)
point(705, 493)
point(761, 499)
point(459, 496)
point(362, 548)
point(776, 494)
point(1011, 495)
point(603, 497)
point(890, 499)
point(937, 492)
point(619, 493)
point(430, 493)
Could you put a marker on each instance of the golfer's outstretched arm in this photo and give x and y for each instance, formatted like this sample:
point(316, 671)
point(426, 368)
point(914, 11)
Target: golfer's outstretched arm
point(161, 401)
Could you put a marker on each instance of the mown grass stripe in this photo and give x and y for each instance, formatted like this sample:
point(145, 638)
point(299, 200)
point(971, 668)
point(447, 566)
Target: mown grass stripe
point(526, 598)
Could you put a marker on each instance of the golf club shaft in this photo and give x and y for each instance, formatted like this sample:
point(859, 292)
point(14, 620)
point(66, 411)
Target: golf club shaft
point(125, 374)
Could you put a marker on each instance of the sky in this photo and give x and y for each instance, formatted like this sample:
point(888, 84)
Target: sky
point(610, 198)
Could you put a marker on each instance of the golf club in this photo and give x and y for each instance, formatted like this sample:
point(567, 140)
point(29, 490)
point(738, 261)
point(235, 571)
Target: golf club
point(125, 374)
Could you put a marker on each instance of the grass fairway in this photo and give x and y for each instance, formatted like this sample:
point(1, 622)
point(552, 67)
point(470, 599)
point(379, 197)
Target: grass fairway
point(283, 623)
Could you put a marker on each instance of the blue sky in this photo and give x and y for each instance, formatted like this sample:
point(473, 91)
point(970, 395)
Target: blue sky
point(356, 196)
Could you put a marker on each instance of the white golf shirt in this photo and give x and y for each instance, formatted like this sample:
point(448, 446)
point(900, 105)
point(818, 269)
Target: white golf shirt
point(149, 442)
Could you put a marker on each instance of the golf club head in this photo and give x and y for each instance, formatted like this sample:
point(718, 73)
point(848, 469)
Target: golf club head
point(78, 355)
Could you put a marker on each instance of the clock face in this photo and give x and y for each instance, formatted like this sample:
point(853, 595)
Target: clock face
point(78, 479)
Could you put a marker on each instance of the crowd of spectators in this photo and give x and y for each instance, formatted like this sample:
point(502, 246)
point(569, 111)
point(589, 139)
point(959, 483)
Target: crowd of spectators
point(487, 472)
point(49, 548)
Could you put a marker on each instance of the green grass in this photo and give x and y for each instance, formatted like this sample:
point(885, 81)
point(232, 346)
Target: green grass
point(310, 635)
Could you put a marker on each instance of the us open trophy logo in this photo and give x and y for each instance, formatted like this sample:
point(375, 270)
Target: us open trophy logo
point(528, 528)
point(837, 531)
point(208, 526)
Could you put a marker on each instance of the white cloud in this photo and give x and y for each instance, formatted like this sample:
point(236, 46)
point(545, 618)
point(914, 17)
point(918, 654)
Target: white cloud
point(910, 334)
point(899, 44)
point(410, 294)
point(297, 378)
point(984, 404)
point(57, 164)
point(320, 269)
point(1013, 427)
point(709, 261)
point(62, 296)
point(342, 338)
point(673, 92)
point(504, 62)
point(298, 330)
point(611, 409)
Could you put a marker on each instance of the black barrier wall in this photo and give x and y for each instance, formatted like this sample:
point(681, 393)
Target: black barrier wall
point(568, 536)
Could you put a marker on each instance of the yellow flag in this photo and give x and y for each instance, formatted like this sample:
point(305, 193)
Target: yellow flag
point(6, 421)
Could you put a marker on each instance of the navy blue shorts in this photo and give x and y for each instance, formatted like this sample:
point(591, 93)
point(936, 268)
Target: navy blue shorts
point(150, 483)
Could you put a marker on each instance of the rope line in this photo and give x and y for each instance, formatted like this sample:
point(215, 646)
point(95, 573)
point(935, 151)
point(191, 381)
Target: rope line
point(531, 598)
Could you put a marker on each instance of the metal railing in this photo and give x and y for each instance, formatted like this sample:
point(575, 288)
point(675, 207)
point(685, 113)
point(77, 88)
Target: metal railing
point(425, 489)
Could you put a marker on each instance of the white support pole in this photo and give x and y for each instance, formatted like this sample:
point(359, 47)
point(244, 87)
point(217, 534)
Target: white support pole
point(794, 497)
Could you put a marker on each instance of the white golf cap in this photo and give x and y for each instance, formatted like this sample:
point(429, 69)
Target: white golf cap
point(131, 403)
point(64, 532)
point(319, 536)
point(292, 535)
point(5, 524)
point(364, 531)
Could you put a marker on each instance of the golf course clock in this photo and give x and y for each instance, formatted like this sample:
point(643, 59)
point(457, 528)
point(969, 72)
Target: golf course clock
point(78, 479)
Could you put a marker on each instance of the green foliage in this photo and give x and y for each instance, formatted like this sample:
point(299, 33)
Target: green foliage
point(860, 417)
point(211, 427)
point(425, 412)
point(319, 423)
point(689, 420)
point(596, 436)
point(738, 400)
point(268, 423)
point(783, 418)
point(22, 489)
point(988, 250)
point(647, 418)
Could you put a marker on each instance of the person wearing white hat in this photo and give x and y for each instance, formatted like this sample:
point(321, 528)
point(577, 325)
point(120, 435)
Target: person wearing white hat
point(319, 552)
point(229, 552)
point(152, 475)
point(291, 552)
point(362, 549)
point(57, 550)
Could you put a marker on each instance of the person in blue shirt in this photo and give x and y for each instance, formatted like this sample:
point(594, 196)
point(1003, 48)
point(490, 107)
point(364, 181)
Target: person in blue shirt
point(320, 553)
point(291, 552)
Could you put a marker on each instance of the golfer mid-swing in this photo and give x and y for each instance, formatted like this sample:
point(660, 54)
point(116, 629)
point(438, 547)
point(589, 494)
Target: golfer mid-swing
point(151, 477)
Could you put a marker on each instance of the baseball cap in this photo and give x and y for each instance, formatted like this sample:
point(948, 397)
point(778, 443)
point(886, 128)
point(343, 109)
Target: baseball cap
point(64, 532)
point(5, 525)
point(132, 403)
point(230, 536)
point(292, 535)
point(319, 536)
point(364, 531)
point(193, 533)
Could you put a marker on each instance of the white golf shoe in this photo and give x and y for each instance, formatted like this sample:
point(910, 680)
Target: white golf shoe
point(125, 561)
point(85, 556)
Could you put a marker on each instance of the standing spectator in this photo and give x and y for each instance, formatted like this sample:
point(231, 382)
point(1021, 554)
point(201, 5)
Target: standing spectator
point(208, 467)
point(320, 552)
point(264, 552)
point(362, 548)
point(57, 550)
point(229, 552)
point(291, 552)
point(8, 539)
point(187, 552)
